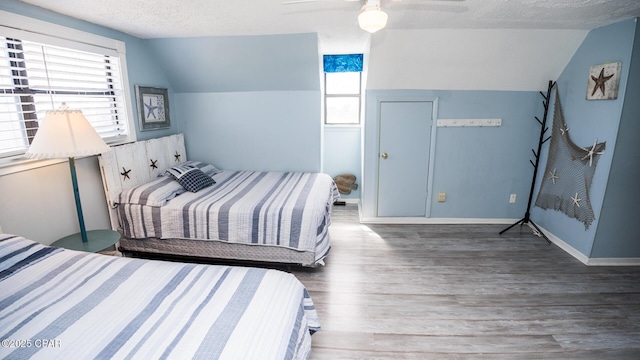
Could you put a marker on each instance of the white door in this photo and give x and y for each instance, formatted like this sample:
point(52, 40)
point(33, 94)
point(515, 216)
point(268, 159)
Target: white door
point(403, 157)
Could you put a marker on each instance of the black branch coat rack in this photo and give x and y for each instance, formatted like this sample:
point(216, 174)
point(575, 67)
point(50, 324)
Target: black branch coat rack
point(543, 130)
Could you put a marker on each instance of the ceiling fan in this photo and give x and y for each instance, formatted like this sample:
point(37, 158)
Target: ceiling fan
point(371, 18)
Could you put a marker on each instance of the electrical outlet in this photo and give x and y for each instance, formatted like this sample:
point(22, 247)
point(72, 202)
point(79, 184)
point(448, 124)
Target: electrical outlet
point(512, 199)
point(442, 197)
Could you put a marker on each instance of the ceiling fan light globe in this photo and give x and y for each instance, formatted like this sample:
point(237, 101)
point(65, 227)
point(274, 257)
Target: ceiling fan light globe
point(372, 19)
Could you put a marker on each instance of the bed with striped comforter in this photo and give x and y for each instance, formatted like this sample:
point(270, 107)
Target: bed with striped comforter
point(65, 304)
point(279, 209)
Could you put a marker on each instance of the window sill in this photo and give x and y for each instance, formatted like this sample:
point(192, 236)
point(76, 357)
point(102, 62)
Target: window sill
point(18, 164)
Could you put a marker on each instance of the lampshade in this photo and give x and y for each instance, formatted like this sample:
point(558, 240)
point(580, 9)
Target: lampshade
point(372, 18)
point(65, 133)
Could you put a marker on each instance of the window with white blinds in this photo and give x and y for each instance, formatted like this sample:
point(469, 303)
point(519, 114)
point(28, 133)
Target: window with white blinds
point(37, 76)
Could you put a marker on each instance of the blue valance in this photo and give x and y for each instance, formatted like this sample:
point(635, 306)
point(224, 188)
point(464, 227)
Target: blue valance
point(343, 63)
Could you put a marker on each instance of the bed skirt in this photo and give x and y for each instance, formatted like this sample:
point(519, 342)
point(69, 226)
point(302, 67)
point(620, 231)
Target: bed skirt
point(221, 250)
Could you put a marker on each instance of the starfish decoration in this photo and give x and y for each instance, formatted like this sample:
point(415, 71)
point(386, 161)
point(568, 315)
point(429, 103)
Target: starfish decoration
point(151, 110)
point(591, 152)
point(552, 176)
point(564, 129)
point(125, 173)
point(177, 156)
point(154, 164)
point(600, 81)
point(576, 200)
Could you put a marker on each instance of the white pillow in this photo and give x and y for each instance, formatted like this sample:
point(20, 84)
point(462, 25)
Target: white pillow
point(154, 193)
point(208, 169)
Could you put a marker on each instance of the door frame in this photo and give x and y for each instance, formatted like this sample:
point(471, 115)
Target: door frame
point(371, 153)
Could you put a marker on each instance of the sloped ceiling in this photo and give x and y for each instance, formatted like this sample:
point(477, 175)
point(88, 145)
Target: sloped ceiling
point(464, 59)
point(437, 44)
point(189, 18)
point(240, 63)
point(335, 21)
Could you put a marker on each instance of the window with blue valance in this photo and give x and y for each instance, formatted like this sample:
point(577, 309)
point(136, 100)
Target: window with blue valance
point(343, 63)
point(342, 89)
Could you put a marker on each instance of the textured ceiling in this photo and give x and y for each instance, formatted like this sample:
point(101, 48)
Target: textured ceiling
point(335, 21)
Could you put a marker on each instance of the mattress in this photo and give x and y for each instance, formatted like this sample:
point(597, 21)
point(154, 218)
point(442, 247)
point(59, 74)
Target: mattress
point(271, 209)
point(57, 303)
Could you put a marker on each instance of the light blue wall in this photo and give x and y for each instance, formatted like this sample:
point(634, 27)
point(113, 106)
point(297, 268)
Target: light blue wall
point(239, 63)
point(272, 130)
point(141, 66)
point(247, 102)
point(618, 234)
point(342, 149)
point(48, 217)
point(143, 70)
point(478, 167)
point(601, 119)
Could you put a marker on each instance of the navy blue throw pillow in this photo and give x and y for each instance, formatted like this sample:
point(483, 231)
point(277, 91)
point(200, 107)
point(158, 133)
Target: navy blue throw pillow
point(192, 179)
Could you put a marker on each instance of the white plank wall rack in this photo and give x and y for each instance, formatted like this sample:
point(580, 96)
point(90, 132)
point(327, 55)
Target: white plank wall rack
point(129, 165)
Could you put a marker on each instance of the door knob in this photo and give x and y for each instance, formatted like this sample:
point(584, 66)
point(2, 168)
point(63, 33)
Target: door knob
point(384, 155)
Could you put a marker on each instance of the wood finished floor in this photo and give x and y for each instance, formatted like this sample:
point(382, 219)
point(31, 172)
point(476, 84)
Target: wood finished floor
point(463, 291)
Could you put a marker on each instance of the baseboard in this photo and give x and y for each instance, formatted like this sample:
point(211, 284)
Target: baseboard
point(342, 202)
point(453, 221)
point(351, 200)
point(564, 246)
point(435, 221)
point(614, 262)
point(586, 260)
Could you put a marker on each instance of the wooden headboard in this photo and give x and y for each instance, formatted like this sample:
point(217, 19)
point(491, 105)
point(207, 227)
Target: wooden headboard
point(129, 165)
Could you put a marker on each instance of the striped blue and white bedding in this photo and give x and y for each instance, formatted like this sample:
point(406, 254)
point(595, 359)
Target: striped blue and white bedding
point(261, 208)
point(65, 304)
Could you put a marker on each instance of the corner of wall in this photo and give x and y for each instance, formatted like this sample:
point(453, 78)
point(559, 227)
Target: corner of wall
point(588, 119)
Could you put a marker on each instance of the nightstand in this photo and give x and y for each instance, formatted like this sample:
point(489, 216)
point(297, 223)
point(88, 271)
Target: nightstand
point(97, 240)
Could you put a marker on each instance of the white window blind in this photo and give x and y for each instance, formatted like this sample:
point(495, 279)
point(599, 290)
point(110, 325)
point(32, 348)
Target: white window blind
point(36, 77)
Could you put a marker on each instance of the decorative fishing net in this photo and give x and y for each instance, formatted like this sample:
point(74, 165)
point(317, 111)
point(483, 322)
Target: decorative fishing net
point(568, 173)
